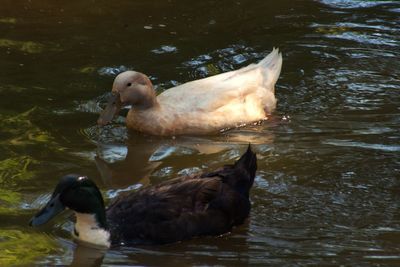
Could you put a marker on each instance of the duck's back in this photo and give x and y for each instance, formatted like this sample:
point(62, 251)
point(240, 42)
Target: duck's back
point(179, 209)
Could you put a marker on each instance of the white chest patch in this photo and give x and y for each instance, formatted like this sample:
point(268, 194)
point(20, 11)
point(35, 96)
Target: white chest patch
point(87, 230)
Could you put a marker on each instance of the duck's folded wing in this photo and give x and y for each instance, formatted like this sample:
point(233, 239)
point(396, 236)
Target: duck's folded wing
point(174, 211)
point(216, 91)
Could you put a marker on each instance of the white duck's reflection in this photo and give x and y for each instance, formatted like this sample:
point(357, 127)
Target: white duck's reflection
point(124, 165)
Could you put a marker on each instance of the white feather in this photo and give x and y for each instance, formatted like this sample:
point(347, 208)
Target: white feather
point(89, 231)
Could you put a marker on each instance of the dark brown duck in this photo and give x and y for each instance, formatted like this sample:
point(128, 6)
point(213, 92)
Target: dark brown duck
point(178, 209)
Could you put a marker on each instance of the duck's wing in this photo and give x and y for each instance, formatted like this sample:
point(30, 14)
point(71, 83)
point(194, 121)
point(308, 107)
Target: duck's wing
point(168, 213)
point(208, 204)
point(219, 90)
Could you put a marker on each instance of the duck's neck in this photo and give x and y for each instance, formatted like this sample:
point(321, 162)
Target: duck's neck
point(147, 100)
point(150, 102)
point(90, 228)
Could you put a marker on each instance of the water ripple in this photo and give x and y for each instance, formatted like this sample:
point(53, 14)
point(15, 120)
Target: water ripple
point(375, 39)
point(348, 4)
point(222, 60)
point(348, 143)
point(165, 49)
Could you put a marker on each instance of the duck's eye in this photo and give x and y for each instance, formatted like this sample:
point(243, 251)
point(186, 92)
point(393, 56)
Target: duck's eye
point(129, 84)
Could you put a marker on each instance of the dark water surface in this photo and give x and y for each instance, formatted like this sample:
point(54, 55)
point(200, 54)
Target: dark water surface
point(327, 189)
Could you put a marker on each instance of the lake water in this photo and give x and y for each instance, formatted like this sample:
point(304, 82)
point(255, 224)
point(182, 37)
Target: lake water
point(327, 189)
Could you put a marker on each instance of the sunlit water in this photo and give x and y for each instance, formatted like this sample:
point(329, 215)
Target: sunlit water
point(327, 189)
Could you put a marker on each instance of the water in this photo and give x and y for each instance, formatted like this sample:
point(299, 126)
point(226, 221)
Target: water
point(327, 189)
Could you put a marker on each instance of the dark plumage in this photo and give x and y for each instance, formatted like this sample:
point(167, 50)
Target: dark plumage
point(181, 208)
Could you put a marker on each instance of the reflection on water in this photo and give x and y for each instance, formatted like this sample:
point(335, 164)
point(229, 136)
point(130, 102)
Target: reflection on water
point(327, 189)
point(347, 4)
point(87, 256)
point(136, 161)
point(15, 243)
point(392, 148)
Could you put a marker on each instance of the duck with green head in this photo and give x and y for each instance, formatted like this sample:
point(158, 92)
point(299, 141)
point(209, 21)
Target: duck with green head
point(178, 209)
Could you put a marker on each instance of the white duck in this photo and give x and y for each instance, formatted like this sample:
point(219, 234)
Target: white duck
point(202, 106)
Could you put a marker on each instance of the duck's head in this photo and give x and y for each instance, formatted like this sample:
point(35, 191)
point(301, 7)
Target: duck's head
point(129, 88)
point(81, 195)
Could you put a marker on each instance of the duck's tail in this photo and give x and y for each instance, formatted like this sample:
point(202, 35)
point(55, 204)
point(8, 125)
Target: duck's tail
point(271, 66)
point(245, 168)
point(240, 175)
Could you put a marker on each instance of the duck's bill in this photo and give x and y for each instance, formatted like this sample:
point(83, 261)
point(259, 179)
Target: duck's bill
point(52, 208)
point(113, 107)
